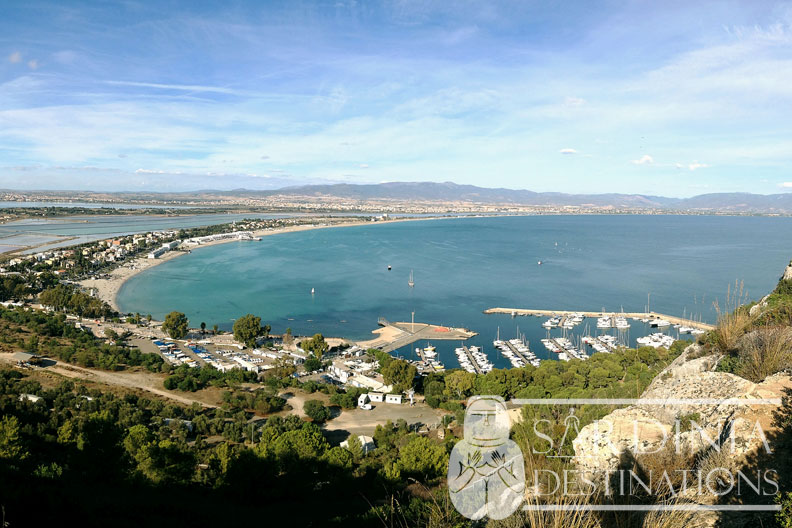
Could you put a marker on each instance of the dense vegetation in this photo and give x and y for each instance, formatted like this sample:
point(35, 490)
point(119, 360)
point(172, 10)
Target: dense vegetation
point(189, 379)
point(56, 336)
point(128, 461)
point(64, 298)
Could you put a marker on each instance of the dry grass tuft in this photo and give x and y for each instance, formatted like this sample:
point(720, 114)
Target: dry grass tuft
point(671, 461)
point(713, 467)
point(734, 319)
point(765, 352)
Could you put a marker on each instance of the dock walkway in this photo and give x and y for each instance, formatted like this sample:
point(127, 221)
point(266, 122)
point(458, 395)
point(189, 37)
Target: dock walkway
point(517, 352)
point(471, 359)
point(640, 315)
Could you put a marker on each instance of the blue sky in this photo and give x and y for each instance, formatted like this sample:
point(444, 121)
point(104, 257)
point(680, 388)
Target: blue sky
point(668, 98)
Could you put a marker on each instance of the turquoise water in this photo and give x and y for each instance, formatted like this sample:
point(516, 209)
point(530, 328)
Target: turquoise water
point(464, 266)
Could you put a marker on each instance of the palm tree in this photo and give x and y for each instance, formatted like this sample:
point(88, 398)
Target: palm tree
point(203, 328)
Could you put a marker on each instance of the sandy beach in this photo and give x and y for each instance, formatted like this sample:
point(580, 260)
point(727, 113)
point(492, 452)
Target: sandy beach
point(107, 288)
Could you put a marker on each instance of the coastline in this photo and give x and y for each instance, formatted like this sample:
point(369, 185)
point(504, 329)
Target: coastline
point(107, 288)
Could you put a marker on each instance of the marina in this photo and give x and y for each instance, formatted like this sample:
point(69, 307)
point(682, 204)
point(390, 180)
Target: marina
point(428, 361)
point(517, 352)
point(615, 318)
point(473, 360)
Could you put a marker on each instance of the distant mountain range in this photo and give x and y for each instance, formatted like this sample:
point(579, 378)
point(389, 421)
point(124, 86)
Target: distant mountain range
point(452, 192)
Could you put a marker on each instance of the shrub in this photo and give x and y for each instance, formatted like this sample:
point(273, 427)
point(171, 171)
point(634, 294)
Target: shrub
point(784, 515)
point(316, 411)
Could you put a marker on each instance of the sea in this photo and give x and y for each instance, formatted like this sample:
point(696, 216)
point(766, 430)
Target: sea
point(676, 265)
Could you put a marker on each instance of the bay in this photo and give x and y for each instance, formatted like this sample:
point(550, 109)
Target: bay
point(462, 266)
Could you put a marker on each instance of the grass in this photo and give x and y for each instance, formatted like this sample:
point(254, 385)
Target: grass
point(734, 319)
point(765, 352)
point(713, 465)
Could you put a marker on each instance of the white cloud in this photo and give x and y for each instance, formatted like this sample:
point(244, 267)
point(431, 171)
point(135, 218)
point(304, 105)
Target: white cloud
point(363, 166)
point(180, 87)
point(574, 101)
point(646, 159)
point(785, 185)
point(568, 151)
point(691, 166)
point(15, 57)
point(33, 64)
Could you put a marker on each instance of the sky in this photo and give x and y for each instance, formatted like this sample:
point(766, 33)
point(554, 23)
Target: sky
point(665, 98)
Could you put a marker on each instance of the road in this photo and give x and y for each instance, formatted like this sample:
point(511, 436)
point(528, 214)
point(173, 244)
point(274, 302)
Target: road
point(142, 380)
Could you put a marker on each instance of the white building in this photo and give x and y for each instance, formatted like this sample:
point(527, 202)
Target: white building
point(157, 253)
point(340, 373)
point(30, 397)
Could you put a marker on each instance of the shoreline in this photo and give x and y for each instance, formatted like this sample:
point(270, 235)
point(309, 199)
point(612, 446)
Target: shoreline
point(107, 289)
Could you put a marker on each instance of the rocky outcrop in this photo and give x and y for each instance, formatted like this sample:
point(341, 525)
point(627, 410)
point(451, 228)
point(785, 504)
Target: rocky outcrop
point(787, 272)
point(647, 428)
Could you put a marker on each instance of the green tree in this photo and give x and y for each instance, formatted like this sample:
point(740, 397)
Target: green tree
point(316, 345)
point(175, 325)
point(400, 374)
point(355, 447)
point(339, 457)
point(316, 411)
point(203, 328)
point(306, 443)
point(11, 446)
point(137, 442)
point(460, 383)
point(422, 457)
point(247, 329)
point(312, 363)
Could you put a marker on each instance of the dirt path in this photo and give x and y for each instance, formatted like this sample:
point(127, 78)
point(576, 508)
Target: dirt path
point(146, 381)
point(358, 421)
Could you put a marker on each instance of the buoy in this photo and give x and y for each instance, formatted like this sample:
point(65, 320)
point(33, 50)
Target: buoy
point(540, 262)
point(389, 268)
point(312, 291)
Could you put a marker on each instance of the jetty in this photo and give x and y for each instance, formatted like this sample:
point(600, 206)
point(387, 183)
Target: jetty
point(636, 315)
point(516, 352)
point(396, 335)
point(471, 359)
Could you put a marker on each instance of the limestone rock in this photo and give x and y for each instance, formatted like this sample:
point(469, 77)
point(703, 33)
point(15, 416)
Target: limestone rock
point(645, 428)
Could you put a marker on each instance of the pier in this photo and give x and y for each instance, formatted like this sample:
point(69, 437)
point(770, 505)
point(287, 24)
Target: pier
point(471, 359)
point(396, 335)
point(610, 347)
point(640, 315)
point(517, 352)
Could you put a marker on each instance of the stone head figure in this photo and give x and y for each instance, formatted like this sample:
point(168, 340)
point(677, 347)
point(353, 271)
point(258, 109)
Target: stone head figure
point(486, 421)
